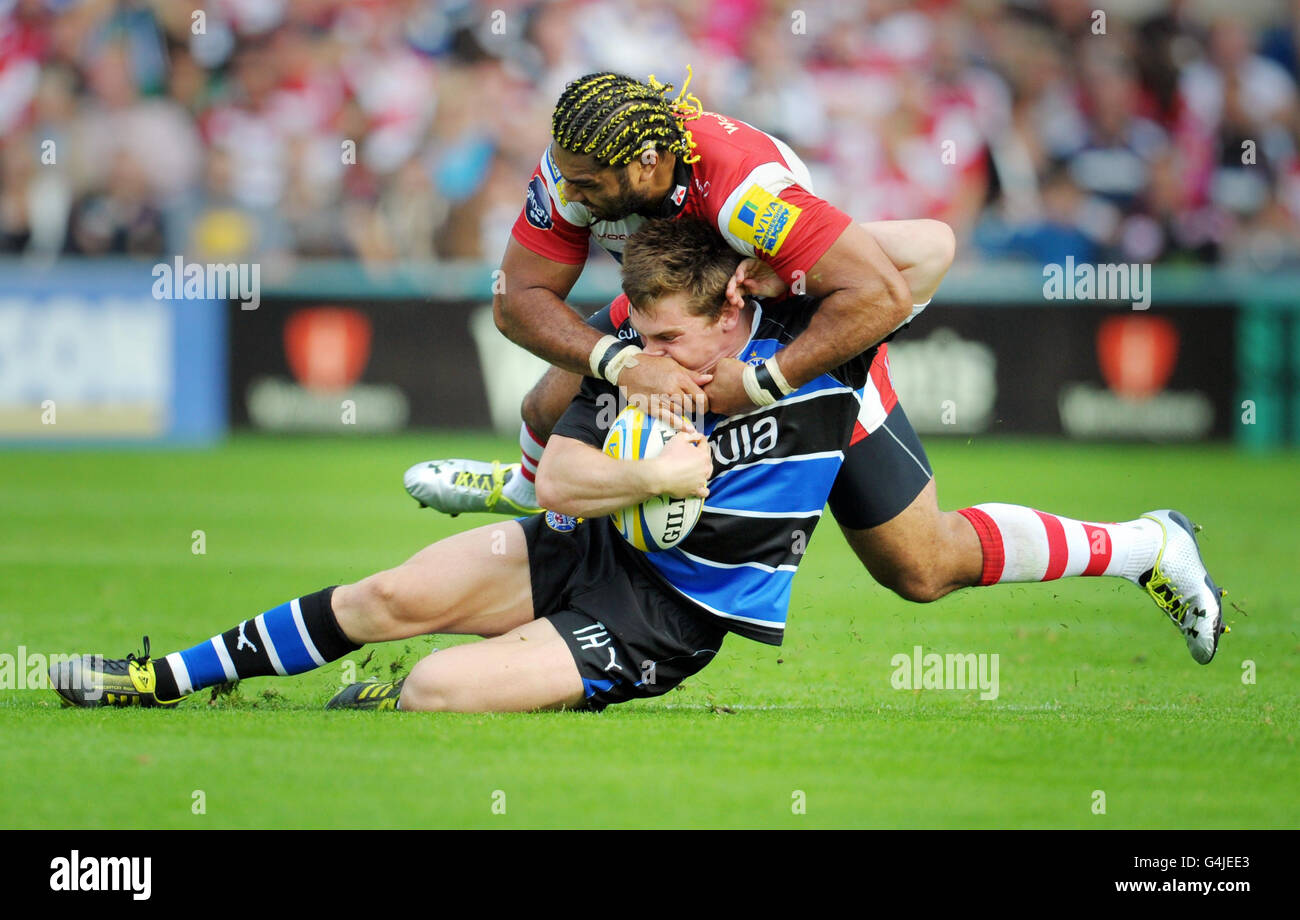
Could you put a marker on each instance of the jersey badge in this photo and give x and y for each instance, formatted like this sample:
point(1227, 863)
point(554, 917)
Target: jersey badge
point(562, 523)
point(538, 206)
point(763, 220)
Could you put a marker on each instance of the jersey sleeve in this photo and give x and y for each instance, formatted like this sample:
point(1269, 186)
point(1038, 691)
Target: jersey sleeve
point(550, 225)
point(771, 216)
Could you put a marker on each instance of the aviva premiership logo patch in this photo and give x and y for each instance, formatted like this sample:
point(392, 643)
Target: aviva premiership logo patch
point(763, 219)
point(562, 523)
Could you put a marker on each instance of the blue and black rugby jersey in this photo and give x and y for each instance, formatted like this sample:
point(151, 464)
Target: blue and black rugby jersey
point(773, 468)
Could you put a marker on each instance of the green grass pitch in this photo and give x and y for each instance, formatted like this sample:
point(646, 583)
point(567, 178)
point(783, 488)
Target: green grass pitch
point(1097, 690)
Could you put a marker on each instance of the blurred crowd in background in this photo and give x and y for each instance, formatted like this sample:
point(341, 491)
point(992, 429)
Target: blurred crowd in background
point(394, 130)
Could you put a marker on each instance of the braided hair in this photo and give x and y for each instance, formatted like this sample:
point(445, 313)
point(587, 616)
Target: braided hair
point(613, 118)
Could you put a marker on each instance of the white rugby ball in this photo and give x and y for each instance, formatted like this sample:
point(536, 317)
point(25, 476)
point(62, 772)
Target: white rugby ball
point(657, 523)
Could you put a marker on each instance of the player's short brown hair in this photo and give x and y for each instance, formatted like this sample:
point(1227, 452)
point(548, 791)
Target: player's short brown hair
point(686, 256)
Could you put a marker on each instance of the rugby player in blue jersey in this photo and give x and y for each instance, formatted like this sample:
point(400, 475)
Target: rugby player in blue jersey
point(572, 615)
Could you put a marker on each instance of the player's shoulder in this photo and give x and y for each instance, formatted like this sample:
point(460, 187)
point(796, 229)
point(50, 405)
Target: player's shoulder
point(733, 153)
point(546, 196)
point(745, 171)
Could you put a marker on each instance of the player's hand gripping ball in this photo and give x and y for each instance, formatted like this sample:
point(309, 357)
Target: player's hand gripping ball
point(663, 521)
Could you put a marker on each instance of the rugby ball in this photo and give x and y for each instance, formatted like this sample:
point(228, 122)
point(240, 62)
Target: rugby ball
point(657, 523)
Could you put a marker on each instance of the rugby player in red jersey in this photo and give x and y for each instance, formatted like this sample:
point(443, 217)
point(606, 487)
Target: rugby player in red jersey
point(623, 152)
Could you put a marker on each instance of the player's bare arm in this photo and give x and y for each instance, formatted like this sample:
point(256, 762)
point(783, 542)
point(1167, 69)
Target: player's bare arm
point(577, 479)
point(863, 299)
point(919, 252)
point(922, 251)
point(531, 312)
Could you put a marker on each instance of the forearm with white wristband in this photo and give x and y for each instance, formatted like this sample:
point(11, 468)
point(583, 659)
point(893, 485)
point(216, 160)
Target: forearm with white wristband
point(610, 356)
point(764, 383)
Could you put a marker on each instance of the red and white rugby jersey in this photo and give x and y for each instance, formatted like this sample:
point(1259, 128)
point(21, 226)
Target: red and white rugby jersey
point(748, 184)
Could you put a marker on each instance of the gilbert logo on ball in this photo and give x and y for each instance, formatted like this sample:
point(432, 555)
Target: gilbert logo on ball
point(657, 523)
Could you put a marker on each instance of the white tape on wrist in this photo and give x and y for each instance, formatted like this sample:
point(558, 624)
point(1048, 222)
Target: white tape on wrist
point(624, 359)
point(778, 377)
point(757, 395)
point(598, 352)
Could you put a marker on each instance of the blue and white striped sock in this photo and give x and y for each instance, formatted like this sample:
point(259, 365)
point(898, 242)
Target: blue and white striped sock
point(290, 639)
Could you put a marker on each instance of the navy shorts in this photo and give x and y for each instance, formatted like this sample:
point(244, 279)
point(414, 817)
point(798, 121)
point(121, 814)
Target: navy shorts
point(885, 466)
point(631, 637)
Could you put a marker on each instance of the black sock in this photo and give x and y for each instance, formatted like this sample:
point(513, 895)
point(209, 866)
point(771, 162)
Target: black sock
point(272, 643)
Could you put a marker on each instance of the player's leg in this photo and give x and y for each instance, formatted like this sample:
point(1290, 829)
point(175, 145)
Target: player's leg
point(471, 583)
point(528, 668)
point(606, 633)
point(476, 582)
point(1157, 551)
point(457, 485)
point(884, 500)
point(921, 553)
point(886, 504)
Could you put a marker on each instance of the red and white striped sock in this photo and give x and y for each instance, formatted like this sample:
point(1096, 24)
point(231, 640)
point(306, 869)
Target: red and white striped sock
point(1021, 544)
point(522, 490)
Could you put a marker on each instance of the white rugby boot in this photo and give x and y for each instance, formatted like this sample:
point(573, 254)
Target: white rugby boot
point(1181, 586)
point(453, 486)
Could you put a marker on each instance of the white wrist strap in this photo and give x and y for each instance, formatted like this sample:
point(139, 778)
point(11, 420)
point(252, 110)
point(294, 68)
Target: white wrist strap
point(778, 377)
point(609, 356)
point(625, 358)
point(757, 395)
point(598, 352)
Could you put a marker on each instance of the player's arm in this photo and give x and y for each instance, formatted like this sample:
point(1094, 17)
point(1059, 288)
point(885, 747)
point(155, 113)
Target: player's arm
point(578, 479)
point(531, 312)
point(922, 250)
point(863, 299)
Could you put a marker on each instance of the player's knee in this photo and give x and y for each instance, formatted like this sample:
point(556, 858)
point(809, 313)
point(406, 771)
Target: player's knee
point(536, 413)
point(421, 697)
point(917, 583)
point(425, 690)
point(381, 595)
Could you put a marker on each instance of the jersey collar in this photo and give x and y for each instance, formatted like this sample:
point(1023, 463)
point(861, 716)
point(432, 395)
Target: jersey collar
point(744, 354)
point(676, 200)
